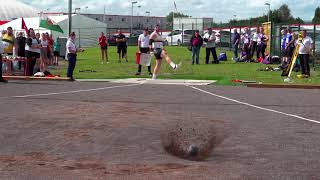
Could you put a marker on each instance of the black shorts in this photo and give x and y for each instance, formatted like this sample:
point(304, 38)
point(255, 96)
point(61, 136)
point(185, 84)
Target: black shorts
point(30, 54)
point(144, 50)
point(104, 47)
point(56, 53)
point(21, 53)
point(122, 49)
point(157, 53)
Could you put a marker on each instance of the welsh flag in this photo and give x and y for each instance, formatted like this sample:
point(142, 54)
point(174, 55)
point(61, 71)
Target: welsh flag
point(47, 23)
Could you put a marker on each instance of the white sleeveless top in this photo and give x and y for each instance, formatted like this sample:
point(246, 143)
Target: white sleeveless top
point(158, 41)
point(44, 43)
point(34, 42)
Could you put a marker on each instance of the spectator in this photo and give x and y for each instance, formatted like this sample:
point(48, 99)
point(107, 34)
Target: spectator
point(156, 43)
point(50, 48)
point(72, 54)
point(246, 43)
point(21, 44)
point(103, 42)
point(235, 43)
point(32, 52)
point(38, 37)
point(262, 43)
point(209, 38)
point(1, 52)
point(122, 46)
point(306, 45)
point(44, 61)
point(254, 42)
point(10, 40)
point(284, 52)
point(56, 52)
point(196, 42)
point(143, 45)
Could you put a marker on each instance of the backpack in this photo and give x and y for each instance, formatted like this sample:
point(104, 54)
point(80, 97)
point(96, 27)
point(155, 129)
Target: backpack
point(223, 56)
point(266, 60)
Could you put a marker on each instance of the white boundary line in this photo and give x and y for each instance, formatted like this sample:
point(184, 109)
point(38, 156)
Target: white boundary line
point(254, 106)
point(71, 92)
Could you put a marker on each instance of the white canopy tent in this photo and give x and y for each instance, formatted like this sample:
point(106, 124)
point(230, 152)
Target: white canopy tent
point(86, 29)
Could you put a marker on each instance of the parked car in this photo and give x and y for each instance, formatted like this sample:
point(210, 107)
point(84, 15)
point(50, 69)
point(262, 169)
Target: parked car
point(179, 37)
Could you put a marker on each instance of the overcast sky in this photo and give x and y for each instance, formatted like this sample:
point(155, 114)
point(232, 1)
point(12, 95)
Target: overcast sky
point(220, 10)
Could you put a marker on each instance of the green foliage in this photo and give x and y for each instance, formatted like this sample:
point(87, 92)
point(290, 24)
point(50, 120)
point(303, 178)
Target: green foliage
point(223, 72)
point(316, 18)
point(281, 15)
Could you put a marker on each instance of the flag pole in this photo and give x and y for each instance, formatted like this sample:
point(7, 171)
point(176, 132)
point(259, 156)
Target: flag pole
point(70, 17)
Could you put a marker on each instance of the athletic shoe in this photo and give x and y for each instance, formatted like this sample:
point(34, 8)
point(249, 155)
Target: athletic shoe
point(101, 62)
point(301, 76)
point(150, 74)
point(154, 77)
point(71, 79)
point(3, 80)
point(138, 73)
point(177, 66)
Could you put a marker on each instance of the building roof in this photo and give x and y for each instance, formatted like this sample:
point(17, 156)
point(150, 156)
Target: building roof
point(15, 9)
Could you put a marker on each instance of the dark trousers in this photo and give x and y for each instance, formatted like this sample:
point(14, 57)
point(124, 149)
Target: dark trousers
point(254, 49)
point(32, 63)
point(261, 50)
point(235, 50)
point(247, 49)
point(72, 58)
point(304, 61)
point(214, 54)
point(0, 66)
point(140, 67)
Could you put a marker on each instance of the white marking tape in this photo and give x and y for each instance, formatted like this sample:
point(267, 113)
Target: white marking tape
point(257, 107)
point(77, 91)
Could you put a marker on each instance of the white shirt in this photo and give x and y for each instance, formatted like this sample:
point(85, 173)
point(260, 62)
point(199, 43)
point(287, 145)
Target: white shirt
point(144, 41)
point(70, 44)
point(211, 38)
point(34, 42)
point(305, 45)
point(255, 37)
point(44, 43)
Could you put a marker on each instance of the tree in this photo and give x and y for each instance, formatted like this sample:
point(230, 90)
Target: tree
point(176, 15)
point(316, 18)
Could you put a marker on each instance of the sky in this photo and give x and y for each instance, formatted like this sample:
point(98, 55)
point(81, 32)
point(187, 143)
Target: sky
point(219, 10)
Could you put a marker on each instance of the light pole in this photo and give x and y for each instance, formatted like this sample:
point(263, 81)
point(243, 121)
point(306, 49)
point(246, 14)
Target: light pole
point(268, 4)
point(86, 9)
point(69, 16)
point(77, 10)
point(148, 18)
point(132, 3)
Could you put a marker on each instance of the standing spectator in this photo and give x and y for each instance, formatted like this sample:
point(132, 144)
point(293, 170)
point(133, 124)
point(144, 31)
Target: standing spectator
point(1, 52)
point(143, 45)
point(50, 48)
point(38, 37)
point(72, 54)
point(284, 52)
point(103, 42)
point(10, 40)
point(32, 52)
point(44, 61)
point(196, 42)
point(21, 44)
point(156, 44)
point(306, 45)
point(254, 43)
point(122, 46)
point(209, 38)
point(262, 43)
point(246, 43)
point(56, 52)
point(235, 43)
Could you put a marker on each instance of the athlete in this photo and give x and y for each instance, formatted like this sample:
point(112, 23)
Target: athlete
point(156, 44)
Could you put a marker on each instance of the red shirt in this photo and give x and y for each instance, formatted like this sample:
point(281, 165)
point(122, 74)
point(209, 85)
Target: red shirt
point(103, 41)
point(50, 44)
point(196, 41)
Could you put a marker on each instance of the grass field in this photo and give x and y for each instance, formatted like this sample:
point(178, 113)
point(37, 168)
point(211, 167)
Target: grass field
point(224, 72)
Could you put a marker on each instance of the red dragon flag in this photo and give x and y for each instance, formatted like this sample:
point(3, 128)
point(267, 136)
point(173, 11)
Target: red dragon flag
point(24, 26)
